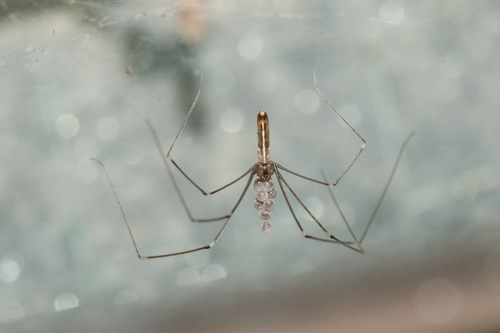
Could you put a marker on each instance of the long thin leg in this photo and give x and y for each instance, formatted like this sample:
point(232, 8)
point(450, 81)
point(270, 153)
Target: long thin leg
point(363, 141)
point(384, 191)
point(226, 217)
point(332, 238)
point(169, 156)
point(212, 243)
point(174, 182)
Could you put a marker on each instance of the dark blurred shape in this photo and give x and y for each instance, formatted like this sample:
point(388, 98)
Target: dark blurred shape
point(166, 57)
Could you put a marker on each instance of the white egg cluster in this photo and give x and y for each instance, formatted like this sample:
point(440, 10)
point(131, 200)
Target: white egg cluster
point(264, 201)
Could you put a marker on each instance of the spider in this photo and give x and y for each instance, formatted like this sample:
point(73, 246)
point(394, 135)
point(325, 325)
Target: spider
point(265, 169)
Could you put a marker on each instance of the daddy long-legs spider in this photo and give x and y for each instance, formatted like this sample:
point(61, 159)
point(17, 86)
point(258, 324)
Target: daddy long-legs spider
point(265, 170)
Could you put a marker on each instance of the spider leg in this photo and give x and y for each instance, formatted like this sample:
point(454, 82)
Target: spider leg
point(363, 141)
point(358, 153)
point(356, 245)
point(169, 156)
point(212, 243)
point(174, 182)
point(227, 217)
point(384, 191)
point(331, 239)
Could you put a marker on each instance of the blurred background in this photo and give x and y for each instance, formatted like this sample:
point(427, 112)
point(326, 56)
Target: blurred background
point(77, 78)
